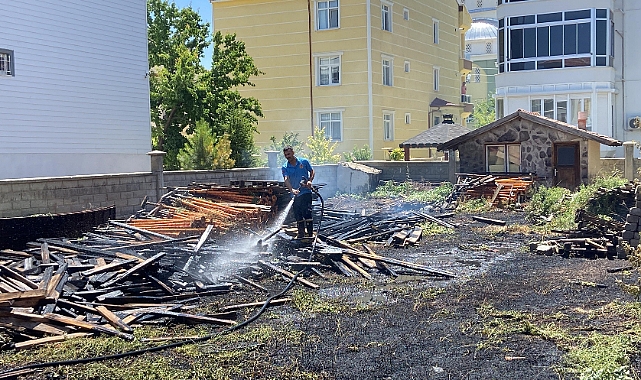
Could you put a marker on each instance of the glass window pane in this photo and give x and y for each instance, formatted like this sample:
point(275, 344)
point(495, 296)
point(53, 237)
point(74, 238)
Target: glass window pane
point(335, 75)
point(336, 130)
point(601, 37)
point(322, 19)
point(601, 13)
point(548, 108)
point(495, 158)
point(516, 43)
point(569, 39)
point(324, 75)
point(535, 105)
point(550, 17)
point(565, 155)
point(550, 64)
point(577, 15)
point(522, 20)
point(501, 45)
point(543, 42)
point(583, 45)
point(325, 116)
point(578, 62)
point(556, 40)
point(514, 158)
point(562, 111)
point(521, 66)
point(333, 18)
point(601, 61)
point(529, 42)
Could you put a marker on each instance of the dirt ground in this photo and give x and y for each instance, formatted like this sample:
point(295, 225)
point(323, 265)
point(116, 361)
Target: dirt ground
point(485, 323)
point(422, 327)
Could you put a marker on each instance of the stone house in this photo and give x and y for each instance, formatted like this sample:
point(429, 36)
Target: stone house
point(557, 153)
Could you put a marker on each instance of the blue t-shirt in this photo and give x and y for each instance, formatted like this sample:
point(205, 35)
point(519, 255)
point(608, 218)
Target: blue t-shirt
point(301, 170)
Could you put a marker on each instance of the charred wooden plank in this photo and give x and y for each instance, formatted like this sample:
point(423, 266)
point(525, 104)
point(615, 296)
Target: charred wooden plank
point(275, 302)
point(287, 274)
point(113, 319)
point(355, 267)
point(489, 220)
point(49, 339)
point(133, 270)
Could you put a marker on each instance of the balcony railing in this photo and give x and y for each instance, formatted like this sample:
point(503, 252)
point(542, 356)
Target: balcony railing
point(466, 98)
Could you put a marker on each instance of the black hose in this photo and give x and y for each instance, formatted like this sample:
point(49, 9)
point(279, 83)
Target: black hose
point(34, 366)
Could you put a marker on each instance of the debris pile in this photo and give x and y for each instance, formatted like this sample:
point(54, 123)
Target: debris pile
point(500, 190)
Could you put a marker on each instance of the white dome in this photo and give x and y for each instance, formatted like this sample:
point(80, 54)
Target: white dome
point(481, 31)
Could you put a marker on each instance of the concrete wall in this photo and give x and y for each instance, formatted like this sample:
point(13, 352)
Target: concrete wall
point(424, 171)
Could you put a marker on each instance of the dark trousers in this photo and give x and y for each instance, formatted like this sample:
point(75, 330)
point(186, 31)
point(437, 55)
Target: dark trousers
point(302, 209)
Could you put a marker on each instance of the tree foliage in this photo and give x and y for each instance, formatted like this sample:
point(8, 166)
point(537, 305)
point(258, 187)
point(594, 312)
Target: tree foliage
point(321, 148)
point(358, 154)
point(288, 139)
point(204, 152)
point(182, 91)
point(484, 112)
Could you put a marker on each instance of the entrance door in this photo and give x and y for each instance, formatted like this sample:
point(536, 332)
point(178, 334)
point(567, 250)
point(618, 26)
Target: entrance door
point(566, 165)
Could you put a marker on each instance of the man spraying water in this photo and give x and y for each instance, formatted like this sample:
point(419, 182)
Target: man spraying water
point(299, 174)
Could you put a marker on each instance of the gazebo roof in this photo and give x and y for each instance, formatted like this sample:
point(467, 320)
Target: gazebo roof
point(435, 136)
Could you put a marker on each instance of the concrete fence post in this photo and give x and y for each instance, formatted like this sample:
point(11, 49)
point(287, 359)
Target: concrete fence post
point(157, 158)
point(451, 160)
point(628, 166)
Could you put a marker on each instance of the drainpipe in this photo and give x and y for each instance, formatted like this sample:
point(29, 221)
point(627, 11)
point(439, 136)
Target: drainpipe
point(622, 65)
point(370, 101)
point(311, 65)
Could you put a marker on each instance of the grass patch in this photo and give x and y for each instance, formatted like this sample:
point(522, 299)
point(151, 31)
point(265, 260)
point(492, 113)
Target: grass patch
point(310, 302)
point(413, 191)
point(474, 205)
point(431, 229)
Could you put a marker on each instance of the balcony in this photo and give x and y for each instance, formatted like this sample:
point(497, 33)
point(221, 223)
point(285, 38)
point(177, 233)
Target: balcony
point(466, 98)
point(465, 66)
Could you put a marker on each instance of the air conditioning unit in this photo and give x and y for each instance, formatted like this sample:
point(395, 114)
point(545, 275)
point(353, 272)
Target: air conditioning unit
point(634, 122)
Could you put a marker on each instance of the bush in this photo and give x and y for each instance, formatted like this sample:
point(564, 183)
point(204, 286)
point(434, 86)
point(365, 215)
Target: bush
point(397, 154)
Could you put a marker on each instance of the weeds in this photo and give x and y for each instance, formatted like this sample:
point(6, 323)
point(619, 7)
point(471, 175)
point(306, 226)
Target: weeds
point(413, 191)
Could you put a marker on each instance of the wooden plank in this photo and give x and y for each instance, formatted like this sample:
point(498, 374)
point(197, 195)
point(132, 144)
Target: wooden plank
point(251, 283)
point(113, 319)
point(133, 270)
point(192, 317)
point(287, 274)
point(355, 267)
point(415, 235)
point(17, 276)
point(44, 253)
point(106, 268)
point(35, 294)
point(15, 323)
point(489, 221)
point(87, 325)
point(49, 339)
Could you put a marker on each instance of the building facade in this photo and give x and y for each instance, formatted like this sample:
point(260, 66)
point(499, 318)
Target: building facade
point(74, 97)
point(569, 60)
point(365, 71)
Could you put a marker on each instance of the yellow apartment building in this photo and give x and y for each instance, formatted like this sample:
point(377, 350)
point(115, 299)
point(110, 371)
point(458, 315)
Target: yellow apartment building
point(364, 70)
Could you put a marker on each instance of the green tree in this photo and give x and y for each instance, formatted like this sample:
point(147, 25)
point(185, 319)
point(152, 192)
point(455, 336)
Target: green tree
point(362, 154)
point(484, 112)
point(182, 91)
point(176, 42)
point(198, 152)
point(321, 148)
point(289, 138)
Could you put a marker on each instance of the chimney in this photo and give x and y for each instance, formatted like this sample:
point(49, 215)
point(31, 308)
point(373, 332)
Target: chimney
point(583, 119)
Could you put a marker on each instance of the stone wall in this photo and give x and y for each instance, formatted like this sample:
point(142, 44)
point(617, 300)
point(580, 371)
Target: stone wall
point(536, 148)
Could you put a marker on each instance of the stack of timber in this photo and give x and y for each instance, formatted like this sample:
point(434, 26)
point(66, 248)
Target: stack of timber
point(188, 211)
point(500, 190)
point(390, 228)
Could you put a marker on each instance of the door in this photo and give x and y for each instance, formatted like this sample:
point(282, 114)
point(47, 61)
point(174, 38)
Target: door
point(566, 165)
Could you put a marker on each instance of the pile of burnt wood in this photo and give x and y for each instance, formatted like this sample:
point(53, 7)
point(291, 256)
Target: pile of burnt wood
point(121, 275)
point(500, 190)
point(598, 236)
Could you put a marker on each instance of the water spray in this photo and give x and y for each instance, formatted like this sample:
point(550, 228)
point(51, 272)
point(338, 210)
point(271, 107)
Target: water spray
point(278, 224)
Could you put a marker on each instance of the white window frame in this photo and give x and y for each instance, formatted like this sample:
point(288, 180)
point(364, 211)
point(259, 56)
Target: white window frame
point(387, 70)
point(506, 159)
point(329, 8)
point(477, 74)
point(388, 125)
point(323, 124)
point(406, 66)
point(408, 118)
point(436, 77)
point(406, 14)
point(386, 16)
point(319, 66)
point(7, 68)
point(435, 30)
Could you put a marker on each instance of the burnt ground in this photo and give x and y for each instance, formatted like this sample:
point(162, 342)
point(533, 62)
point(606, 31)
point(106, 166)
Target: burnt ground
point(495, 320)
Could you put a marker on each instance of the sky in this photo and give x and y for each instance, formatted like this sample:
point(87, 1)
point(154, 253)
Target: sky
point(203, 7)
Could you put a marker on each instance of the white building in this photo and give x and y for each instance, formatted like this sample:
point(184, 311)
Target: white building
point(562, 57)
point(74, 97)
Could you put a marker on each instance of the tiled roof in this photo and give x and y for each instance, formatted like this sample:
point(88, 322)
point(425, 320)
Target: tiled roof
point(538, 119)
point(435, 136)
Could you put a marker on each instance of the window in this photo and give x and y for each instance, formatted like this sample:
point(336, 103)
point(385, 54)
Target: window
point(555, 40)
point(580, 105)
point(331, 122)
point(468, 48)
point(503, 158)
point(554, 109)
point(388, 126)
point(408, 118)
point(477, 75)
point(435, 30)
point(406, 66)
point(479, 3)
point(488, 48)
point(388, 74)
point(436, 75)
point(406, 14)
point(386, 16)
point(6, 63)
point(327, 14)
point(329, 68)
